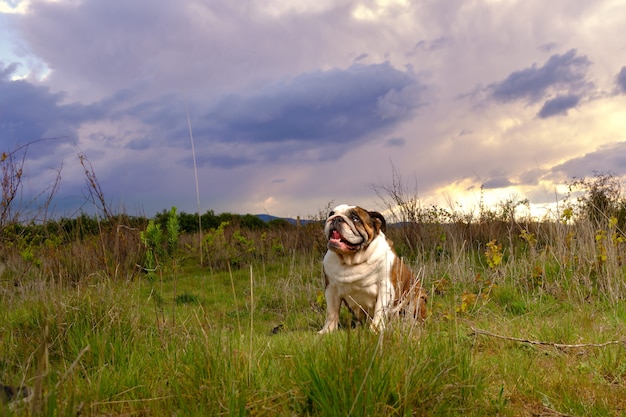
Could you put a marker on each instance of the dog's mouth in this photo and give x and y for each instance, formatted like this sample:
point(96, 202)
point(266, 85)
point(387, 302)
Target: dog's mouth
point(337, 241)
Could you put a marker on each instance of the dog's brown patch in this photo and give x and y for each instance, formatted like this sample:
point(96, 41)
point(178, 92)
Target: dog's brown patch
point(409, 289)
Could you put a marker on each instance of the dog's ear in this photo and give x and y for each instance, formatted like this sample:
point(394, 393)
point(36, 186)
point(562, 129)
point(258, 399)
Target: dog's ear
point(378, 220)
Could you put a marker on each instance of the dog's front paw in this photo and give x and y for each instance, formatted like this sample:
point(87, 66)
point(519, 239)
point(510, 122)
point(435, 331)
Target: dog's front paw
point(328, 328)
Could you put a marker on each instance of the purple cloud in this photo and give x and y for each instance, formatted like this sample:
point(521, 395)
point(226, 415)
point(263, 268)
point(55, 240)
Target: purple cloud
point(621, 80)
point(558, 105)
point(561, 72)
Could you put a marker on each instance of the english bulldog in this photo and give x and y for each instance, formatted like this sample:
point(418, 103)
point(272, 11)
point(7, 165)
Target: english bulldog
point(362, 270)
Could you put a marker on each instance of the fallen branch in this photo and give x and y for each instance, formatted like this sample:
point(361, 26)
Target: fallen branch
point(557, 345)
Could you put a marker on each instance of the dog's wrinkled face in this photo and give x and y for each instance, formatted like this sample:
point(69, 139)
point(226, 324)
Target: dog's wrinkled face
point(350, 229)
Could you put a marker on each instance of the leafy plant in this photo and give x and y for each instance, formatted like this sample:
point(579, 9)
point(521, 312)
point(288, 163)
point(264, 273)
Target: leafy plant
point(173, 232)
point(494, 254)
point(228, 246)
point(152, 239)
point(160, 246)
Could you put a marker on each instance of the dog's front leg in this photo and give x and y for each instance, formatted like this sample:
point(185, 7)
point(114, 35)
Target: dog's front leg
point(383, 305)
point(333, 306)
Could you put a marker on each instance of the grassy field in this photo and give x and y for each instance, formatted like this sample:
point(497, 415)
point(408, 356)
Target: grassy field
point(539, 331)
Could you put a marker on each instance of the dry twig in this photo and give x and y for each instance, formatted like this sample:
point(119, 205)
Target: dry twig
point(557, 345)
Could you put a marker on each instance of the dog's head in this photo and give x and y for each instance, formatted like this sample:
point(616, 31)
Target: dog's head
point(350, 229)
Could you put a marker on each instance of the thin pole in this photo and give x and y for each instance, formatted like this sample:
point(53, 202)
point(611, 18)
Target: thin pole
point(195, 171)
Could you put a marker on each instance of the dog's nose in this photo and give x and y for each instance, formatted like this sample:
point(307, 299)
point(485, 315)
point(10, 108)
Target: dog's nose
point(337, 220)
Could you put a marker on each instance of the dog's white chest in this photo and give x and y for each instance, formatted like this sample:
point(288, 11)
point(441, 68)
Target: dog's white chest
point(359, 285)
point(360, 299)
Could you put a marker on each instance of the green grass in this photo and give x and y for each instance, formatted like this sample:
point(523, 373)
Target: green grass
point(245, 342)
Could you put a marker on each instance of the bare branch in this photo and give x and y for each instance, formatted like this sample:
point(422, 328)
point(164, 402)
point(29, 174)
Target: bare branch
point(96, 195)
point(557, 345)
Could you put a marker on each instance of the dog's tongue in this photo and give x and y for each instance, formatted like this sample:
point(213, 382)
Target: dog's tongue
point(337, 242)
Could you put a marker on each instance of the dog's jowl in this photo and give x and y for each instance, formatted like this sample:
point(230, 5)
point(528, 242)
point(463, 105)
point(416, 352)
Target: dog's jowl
point(362, 270)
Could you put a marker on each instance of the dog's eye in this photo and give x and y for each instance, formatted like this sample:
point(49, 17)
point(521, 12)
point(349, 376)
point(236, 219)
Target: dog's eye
point(332, 213)
point(356, 219)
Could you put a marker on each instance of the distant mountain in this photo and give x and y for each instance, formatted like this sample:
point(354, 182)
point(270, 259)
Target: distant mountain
point(268, 218)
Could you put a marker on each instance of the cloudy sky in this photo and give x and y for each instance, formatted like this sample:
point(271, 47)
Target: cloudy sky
point(296, 104)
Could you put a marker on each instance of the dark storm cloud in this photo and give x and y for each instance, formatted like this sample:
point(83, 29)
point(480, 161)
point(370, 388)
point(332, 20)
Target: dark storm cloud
point(558, 105)
point(314, 116)
point(621, 80)
point(497, 182)
point(30, 112)
point(563, 73)
point(609, 158)
point(324, 110)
